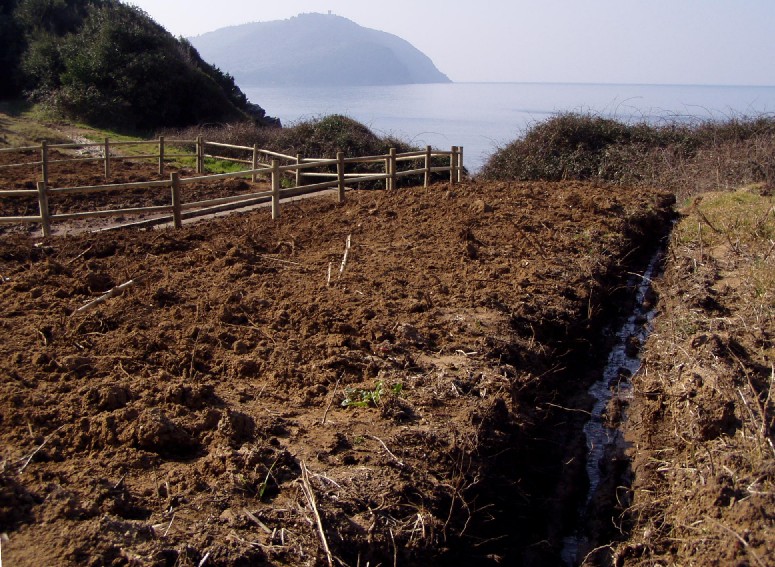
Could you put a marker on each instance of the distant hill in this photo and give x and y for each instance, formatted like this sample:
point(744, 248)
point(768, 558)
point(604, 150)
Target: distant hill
point(109, 64)
point(315, 50)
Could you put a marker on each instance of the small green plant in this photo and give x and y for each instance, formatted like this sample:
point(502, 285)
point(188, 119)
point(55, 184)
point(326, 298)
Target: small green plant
point(262, 486)
point(287, 183)
point(363, 398)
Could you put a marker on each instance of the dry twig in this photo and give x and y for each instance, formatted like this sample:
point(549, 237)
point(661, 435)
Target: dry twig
point(310, 496)
point(331, 401)
point(268, 257)
point(118, 290)
point(258, 522)
point(346, 255)
point(35, 452)
point(389, 452)
point(81, 254)
point(739, 538)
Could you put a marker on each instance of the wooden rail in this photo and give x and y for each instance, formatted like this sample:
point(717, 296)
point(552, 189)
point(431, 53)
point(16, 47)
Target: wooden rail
point(331, 171)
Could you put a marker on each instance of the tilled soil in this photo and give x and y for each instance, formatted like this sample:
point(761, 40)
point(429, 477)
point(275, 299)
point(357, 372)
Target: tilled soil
point(253, 397)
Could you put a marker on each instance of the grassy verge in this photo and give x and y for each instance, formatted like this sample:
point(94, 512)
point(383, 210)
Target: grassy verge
point(23, 124)
point(703, 412)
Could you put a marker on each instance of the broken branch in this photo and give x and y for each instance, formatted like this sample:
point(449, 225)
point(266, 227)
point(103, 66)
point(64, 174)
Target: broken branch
point(346, 255)
point(118, 290)
point(310, 496)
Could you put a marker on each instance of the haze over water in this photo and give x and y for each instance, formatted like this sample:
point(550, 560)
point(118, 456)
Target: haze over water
point(484, 116)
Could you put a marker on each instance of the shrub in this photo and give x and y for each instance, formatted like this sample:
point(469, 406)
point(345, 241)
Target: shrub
point(685, 158)
point(130, 61)
point(320, 137)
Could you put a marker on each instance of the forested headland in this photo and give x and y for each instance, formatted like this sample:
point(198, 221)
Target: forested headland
point(109, 64)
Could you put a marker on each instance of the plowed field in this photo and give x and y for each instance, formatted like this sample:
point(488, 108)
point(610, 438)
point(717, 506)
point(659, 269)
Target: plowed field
point(253, 397)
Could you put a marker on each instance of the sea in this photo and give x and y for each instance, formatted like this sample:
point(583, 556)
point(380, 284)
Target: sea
point(483, 117)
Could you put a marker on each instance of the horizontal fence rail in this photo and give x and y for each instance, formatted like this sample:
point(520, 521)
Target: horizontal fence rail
point(308, 175)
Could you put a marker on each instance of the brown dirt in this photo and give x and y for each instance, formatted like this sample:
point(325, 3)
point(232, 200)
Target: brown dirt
point(172, 425)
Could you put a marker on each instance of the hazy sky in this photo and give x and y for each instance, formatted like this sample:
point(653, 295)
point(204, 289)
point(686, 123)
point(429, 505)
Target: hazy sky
point(580, 41)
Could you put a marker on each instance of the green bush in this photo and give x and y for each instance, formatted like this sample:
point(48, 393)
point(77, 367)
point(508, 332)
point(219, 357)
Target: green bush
point(124, 59)
point(321, 137)
point(111, 65)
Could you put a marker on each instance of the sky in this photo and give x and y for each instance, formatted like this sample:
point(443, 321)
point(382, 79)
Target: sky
point(705, 42)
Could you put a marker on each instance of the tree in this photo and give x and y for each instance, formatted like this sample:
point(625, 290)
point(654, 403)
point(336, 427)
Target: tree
point(110, 64)
point(121, 59)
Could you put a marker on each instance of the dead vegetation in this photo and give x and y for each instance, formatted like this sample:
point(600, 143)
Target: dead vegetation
point(703, 416)
point(685, 158)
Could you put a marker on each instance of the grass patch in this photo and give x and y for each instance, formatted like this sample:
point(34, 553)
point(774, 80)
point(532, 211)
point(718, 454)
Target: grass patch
point(216, 166)
point(21, 125)
point(737, 231)
point(743, 218)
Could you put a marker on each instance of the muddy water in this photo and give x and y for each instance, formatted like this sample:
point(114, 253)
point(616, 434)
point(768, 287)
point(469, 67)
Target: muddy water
point(614, 385)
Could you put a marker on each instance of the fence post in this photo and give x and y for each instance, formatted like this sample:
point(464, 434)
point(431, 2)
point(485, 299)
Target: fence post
point(161, 155)
point(275, 189)
point(44, 161)
point(392, 169)
point(387, 173)
point(177, 219)
point(255, 162)
point(340, 174)
point(200, 155)
point(427, 180)
point(452, 161)
point(107, 159)
point(460, 164)
point(298, 171)
point(45, 218)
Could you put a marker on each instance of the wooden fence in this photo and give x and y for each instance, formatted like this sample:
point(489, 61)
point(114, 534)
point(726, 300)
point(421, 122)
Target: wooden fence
point(261, 163)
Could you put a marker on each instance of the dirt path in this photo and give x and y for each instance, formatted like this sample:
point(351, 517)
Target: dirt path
point(231, 406)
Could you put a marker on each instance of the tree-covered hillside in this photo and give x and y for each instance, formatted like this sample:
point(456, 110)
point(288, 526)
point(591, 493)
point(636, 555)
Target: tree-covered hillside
point(110, 64)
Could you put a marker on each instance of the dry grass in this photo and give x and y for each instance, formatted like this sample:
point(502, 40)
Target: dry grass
point(704, 413)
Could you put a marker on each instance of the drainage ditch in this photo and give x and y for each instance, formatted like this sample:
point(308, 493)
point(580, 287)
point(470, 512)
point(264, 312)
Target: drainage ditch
point(607, 469)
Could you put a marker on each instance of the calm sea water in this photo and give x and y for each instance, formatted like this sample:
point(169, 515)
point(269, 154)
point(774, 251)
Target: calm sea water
point(482, 117)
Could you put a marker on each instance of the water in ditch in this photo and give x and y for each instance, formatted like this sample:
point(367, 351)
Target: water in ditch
point(604, 441)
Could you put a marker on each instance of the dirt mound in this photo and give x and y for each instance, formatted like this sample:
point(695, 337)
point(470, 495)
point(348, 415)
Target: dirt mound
point(253, 391)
